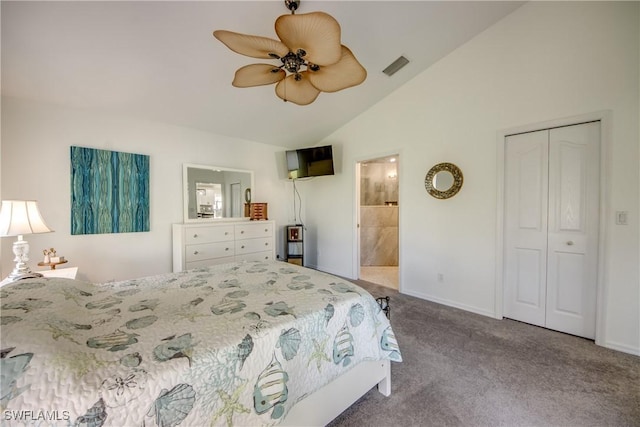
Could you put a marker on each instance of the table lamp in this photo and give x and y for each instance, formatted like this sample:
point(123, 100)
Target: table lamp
point(19, 217)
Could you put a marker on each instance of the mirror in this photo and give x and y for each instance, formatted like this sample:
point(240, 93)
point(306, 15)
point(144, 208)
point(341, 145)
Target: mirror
point(214, 193)
point(444, 180)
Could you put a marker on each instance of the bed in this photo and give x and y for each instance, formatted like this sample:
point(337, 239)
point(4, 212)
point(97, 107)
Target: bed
point(250, 343)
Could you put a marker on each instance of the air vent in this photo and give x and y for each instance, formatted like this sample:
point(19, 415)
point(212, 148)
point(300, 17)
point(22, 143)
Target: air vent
point(395, 66)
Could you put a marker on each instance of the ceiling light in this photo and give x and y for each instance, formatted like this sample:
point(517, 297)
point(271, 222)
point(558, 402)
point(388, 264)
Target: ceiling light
point(311, 56)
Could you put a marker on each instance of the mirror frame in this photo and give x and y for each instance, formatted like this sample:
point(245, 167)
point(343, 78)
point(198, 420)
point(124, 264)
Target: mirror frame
point(186, 195)
point(455, 187)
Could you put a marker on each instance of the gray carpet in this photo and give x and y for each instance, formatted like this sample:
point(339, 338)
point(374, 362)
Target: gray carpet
point(463, 369)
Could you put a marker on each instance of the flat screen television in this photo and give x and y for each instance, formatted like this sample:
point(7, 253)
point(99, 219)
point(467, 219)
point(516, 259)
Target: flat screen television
point(308, 162)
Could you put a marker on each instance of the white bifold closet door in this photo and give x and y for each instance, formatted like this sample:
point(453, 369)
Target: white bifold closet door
point(551, 227)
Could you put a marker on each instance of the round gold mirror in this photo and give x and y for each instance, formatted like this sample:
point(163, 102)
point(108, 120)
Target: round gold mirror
point(443, 180)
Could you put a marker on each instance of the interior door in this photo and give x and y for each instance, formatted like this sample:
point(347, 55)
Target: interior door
point(574, 175)
point(551, 227)
point(526, 196)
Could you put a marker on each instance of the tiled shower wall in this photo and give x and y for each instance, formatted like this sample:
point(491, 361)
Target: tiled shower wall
point(379, 215)
point(378, 235)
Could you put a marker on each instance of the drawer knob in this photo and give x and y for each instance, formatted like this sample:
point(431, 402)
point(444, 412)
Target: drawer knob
point(266, 244)
point(226, 233)
point(266, 229)
point(242, 232)
point(195, 236)
point(195, 252)
point(226, 249)
point(242, 247)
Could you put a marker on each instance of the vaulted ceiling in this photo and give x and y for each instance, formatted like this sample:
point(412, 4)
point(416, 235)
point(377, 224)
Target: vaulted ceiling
point(159, 61)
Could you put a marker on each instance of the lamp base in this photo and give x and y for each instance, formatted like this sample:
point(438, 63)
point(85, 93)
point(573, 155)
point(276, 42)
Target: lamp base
point(15, 278)
point(21, 269)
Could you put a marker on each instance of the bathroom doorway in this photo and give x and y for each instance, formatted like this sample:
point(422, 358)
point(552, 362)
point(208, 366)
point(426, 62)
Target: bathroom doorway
point(378, 220)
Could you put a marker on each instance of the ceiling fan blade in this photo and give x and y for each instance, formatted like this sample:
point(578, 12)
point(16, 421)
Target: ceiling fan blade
point(346, 73)
point(254, 46)
point(257, 75)
point(317, 33)
point(299, 92)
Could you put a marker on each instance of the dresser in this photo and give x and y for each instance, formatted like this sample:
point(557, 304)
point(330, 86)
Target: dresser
point(200, 245)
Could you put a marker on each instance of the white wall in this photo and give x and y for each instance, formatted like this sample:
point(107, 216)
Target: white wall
point(35, 165)
point(547, 60)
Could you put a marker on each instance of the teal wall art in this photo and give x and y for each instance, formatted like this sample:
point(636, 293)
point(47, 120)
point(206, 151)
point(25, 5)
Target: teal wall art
point(109, 191)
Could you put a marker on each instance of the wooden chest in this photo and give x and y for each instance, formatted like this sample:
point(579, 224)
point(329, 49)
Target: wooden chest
point(256, 211)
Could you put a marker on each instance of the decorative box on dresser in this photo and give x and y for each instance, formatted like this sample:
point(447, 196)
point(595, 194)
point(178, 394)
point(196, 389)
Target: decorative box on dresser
point(202, 244)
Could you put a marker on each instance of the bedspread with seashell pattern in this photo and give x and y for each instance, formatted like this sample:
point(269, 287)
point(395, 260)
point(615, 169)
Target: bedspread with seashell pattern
point(234, 344)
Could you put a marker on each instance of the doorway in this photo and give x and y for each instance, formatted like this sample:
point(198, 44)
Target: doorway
point(235, 202)
point(551, 227)
point(378, 189)
point(209, 200)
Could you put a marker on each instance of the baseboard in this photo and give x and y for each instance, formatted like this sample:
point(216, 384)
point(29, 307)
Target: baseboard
point(449, 303)
point(623, 348)
point(609, 344)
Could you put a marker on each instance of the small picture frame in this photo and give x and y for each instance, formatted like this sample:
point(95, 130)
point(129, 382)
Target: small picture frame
point(295, 233)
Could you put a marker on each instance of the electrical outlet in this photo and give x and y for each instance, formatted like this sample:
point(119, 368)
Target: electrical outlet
point(621, 217)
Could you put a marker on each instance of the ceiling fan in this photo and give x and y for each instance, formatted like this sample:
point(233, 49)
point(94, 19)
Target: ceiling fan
point(312, 58)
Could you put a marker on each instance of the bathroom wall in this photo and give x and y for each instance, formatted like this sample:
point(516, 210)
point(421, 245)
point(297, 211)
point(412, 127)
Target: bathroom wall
point(378, 184)
point(378, 235)
point(379, 214)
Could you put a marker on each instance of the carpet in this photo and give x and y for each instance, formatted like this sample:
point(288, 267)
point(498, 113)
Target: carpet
point(464, 369)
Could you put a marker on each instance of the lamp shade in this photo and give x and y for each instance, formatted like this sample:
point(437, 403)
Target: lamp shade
point(18, 217)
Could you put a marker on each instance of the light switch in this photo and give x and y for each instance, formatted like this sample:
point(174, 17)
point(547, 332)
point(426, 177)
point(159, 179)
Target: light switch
point(621, 217)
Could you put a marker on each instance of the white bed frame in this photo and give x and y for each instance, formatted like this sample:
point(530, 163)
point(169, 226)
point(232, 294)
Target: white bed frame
point(322, 406)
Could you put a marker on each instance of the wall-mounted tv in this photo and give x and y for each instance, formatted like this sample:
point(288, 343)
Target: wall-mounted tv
point(308, 162)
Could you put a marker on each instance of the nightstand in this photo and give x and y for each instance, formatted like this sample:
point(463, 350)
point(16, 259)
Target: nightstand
point(68, 273)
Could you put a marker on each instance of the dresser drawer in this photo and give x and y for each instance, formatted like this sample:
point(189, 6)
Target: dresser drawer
point(211, 243)
point(196, 235)
point(252, 230)
point(253, 245)
point(208, 250)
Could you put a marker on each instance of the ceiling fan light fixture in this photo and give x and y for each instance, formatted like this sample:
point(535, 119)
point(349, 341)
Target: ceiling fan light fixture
point(312, 58)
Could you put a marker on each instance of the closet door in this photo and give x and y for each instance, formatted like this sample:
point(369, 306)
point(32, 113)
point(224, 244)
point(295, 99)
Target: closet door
point(574, 175)
point(551, 227)
point(526, 195)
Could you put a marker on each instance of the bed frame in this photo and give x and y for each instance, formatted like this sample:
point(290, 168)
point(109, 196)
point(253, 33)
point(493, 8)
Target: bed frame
point(321, 407)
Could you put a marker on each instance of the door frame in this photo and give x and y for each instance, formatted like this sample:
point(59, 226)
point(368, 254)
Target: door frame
point(356, 212)
point(605, 118)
